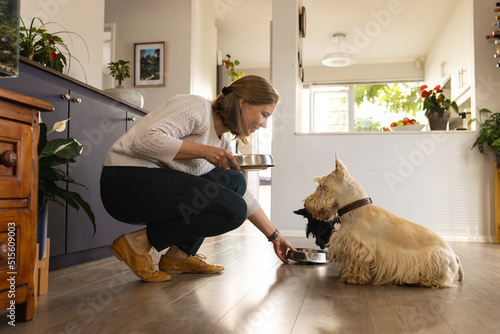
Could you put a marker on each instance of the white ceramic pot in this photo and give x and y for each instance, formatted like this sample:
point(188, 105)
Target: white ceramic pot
point(132, 96)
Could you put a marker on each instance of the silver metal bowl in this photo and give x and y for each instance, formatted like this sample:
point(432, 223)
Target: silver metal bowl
point(308, 255)
point(250, 162)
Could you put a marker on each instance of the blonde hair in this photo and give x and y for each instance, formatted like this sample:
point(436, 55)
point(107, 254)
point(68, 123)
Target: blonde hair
point(254, 90)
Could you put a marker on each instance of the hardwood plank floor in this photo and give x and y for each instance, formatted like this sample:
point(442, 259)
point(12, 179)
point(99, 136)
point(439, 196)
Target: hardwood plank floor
point(257, 294)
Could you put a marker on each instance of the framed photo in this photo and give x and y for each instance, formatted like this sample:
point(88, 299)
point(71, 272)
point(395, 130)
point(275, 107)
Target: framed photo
point(149, 64)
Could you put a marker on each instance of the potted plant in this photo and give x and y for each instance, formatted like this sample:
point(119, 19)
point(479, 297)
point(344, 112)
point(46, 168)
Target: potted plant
point(49, 49)
point(489, 133)
point(230, 65)
point(120, 70)
point(53, 153)
point(437, 107)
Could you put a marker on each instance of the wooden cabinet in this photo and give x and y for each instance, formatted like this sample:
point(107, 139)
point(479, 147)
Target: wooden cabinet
point(18, 201)
point(97, 120)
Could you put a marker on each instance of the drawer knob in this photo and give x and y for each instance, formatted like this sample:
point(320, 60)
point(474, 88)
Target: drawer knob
point(66, 96)
point(3, 250)
point(132, 119)
point(77, 100)
point(8, 158)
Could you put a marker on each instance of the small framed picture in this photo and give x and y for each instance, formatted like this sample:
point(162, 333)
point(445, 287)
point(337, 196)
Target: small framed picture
point(149, 64)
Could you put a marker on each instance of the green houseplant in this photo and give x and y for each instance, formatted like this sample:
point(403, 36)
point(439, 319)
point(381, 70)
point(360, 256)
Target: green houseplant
point(119, 70)
point(49, 49)
point(230, 65)
point(437, 107)
point(53, 153)
point(489, 132)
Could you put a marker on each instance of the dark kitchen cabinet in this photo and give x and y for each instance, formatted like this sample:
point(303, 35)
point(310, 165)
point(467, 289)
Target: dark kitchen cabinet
point(97, 120)
point(96, 125)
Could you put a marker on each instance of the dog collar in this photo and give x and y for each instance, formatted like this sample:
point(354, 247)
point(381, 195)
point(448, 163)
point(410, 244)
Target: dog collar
point(353, 206)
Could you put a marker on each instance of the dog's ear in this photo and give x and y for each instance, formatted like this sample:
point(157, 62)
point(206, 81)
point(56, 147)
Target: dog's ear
point(317, 179)
point(339, 166)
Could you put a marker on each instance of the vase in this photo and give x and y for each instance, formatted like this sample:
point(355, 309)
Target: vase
point(42, 224)
point(132, 96)
point(437, 122)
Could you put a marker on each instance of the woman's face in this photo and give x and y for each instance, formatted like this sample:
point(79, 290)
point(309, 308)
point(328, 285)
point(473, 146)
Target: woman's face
point(255, 116)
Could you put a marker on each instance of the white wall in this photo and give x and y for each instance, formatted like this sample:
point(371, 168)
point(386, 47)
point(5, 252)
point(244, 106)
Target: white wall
point(204, 46)
point(155, 21)
point(433, 179)
point(85, 18)
point(188, 29)
point(284, 77)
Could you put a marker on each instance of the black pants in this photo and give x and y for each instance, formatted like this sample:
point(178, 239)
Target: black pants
point(177, 208)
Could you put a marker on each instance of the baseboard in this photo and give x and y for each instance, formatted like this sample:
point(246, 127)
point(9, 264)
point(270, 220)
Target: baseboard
point(71, 259)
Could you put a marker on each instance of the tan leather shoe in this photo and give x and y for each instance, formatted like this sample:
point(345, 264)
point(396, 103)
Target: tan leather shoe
point(141, 264)
point(196, 264)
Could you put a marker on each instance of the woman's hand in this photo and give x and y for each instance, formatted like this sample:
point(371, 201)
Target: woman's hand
point(219, 157)
point(281, 246)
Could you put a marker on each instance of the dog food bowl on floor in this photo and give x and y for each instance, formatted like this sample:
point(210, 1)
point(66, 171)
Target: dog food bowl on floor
point(308, 255)
point(249, 162)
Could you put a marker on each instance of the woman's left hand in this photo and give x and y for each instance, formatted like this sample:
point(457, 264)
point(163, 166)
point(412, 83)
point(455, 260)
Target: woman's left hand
point(281, 246)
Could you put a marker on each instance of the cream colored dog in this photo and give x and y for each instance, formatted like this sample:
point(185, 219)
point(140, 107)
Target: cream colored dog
point(373, 245)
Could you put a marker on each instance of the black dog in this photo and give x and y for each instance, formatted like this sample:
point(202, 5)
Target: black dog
point(320, 230)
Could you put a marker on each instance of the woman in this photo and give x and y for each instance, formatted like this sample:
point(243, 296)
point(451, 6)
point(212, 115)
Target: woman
point(170, 173)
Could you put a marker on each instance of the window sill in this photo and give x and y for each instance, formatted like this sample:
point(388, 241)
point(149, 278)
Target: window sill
point(385, 133)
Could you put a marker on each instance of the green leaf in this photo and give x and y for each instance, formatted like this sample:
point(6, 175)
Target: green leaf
point(76, 201)
point(52, 161)
point(66, 148)
point(50, 174)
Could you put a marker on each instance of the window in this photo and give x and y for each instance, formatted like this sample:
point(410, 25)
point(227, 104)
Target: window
point(330, 108)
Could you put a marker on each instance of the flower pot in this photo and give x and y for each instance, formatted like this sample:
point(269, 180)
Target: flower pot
point(42, 223)
point(437, 122)
point(132, 96)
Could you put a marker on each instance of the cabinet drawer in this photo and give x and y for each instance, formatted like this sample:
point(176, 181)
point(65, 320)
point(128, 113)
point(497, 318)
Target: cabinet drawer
point(15, 181)
point(15, 223)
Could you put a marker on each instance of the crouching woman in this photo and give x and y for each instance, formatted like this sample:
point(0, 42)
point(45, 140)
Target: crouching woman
point(170, 173)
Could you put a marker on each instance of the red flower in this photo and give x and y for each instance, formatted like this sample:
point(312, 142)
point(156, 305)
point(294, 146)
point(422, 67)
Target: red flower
point(425, 94)
point(438, 87)
point(423, 87)
point(53, 55)
point(438, 100)
point(51, 41)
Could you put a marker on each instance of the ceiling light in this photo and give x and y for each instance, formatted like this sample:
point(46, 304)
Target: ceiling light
point(339, 58)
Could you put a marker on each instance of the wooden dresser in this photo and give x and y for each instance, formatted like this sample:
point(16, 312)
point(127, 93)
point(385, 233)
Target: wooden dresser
point(19, 131)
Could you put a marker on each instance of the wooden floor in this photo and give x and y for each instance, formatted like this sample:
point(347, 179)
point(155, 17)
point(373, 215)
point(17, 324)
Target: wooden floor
point(257, 294)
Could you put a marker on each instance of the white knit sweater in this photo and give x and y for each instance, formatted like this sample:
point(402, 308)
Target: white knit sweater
point(155, 140)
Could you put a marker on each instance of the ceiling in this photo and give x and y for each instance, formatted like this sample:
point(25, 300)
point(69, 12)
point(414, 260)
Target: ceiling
point(376, 30)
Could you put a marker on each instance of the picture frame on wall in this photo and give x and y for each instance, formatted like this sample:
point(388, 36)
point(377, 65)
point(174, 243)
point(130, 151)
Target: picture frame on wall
point(149, 64)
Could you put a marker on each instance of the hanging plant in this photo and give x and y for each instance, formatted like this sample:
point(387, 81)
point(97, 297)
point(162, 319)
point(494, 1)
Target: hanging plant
point(231, 66)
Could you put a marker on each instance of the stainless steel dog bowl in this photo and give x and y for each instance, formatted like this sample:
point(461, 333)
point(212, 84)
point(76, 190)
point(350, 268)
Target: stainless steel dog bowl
point(250, 162)
point(308, 255)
